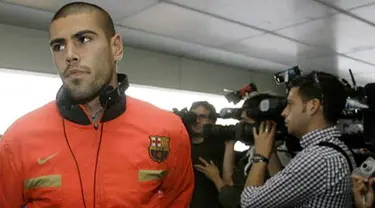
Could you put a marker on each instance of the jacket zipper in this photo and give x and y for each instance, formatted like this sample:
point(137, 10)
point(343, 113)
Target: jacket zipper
point(95, 119)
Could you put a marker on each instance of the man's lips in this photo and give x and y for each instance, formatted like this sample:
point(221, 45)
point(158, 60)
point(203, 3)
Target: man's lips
point(197, 128)
point(74, 72)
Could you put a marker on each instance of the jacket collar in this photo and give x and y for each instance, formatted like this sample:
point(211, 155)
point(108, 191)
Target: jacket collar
point(75, 113)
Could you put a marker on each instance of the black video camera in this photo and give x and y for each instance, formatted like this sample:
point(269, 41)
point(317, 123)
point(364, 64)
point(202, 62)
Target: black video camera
point(230, 113)
point(269, 108)
point(240, 132)
point(287, 75)
point(357, 123)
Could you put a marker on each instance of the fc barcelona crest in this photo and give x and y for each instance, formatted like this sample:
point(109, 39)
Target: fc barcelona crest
point(159, 148)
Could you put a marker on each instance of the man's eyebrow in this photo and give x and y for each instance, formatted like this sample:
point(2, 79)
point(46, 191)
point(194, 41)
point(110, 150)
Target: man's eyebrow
point(76, 35)
point(57, 40)
point(80, 33)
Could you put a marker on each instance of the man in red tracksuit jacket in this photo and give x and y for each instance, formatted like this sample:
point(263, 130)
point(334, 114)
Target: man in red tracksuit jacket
point(94, 146)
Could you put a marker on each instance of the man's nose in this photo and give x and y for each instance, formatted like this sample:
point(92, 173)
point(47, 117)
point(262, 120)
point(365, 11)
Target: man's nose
point(198, 119)
point(71, 54)
point(283, 114)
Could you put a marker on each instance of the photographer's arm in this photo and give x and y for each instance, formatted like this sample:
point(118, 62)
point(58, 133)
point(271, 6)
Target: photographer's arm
point(297, 182)
point(274, 165)
point(230, 196)
point(228, 162)
point(212, 172)
point(264, 143)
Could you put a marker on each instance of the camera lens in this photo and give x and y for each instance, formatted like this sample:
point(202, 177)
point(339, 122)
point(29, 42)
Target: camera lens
point(365, 165)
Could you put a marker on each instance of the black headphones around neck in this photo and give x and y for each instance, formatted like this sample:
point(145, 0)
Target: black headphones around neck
point(108, 95)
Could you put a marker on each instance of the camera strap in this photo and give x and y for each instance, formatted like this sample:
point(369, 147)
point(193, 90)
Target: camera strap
point(339, 149)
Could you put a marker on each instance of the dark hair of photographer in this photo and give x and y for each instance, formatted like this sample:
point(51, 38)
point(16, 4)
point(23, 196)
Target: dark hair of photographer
point(203, 152)
point(212, 115)
point(327, 88)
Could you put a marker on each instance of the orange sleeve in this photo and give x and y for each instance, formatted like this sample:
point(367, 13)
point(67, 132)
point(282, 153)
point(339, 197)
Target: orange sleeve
point(178, 185)
point(11, 184)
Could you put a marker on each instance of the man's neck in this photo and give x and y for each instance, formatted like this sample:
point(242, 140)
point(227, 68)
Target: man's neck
point(317, 125)
point(93, 107)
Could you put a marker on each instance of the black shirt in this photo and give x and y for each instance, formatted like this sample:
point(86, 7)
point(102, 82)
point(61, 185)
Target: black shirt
point(205, 193)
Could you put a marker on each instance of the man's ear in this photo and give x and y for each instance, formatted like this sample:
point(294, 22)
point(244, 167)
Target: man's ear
point(313, 106)
point(117, 47)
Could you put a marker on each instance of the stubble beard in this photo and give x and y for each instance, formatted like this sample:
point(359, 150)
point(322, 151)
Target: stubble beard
point(83, 92)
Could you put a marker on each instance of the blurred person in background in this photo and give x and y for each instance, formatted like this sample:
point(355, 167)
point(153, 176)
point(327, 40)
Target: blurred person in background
point(203, 150)
point(94, 146)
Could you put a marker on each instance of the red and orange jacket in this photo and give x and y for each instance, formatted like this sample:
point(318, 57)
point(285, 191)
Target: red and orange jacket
point(138, 158)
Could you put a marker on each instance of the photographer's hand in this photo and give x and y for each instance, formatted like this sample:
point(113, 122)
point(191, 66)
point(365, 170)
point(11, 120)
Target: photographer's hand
point(263, 142)
point(363, 194)
point(212, 172)
point(265, 138)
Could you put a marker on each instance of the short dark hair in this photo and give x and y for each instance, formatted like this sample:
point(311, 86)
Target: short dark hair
point(325, 87)
point(82, 7)
point(212, 114)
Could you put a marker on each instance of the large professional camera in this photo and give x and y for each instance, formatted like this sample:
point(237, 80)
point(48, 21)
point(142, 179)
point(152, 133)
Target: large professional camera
point(241, 132)
point(287, 75)
point(269, 108)
point(357, 123)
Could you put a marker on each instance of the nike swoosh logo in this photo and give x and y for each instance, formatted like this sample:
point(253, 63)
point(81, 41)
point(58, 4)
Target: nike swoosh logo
point(43, 161)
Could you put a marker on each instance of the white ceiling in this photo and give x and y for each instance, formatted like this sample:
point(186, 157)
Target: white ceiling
point(264, 35)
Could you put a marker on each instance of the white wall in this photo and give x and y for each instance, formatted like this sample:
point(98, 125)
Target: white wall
point(27, 49)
